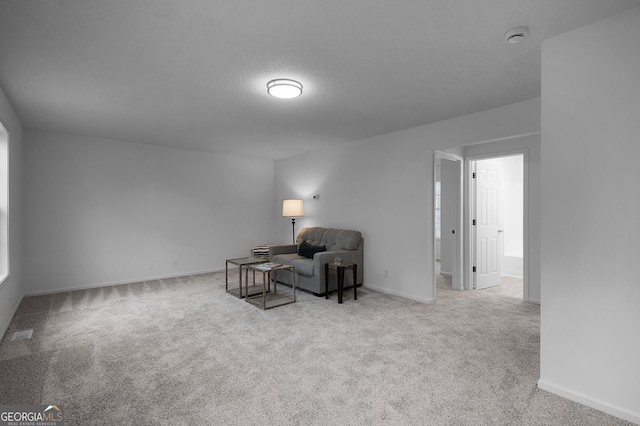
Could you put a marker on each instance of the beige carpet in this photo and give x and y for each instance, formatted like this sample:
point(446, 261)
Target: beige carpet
point(183, 352)
point(510, 286)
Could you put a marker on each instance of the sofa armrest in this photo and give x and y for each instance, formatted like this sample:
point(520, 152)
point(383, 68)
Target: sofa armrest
point(283, 249)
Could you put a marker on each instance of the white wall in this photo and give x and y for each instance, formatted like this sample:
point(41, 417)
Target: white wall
point(512, 190)
point(383, 187)
point(590, 230)
point(448, 212)
point(12, 289)
point(511, 185)
point(99, 211)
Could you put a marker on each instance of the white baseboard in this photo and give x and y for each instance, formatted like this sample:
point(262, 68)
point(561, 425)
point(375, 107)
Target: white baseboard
point(129, 281)
point(397, 293)
point(513, 265)
point(590, 402)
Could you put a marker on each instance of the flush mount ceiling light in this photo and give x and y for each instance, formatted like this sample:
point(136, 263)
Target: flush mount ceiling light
point(516, 35)
point(284, 89)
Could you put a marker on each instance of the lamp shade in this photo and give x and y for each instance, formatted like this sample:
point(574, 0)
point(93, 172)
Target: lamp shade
point(292, 208)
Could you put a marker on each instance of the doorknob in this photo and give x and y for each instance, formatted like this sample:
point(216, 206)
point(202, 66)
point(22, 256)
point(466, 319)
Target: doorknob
point(500, 230)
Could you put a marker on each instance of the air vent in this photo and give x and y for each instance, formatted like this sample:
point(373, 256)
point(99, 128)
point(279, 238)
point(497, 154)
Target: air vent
point(22, 335)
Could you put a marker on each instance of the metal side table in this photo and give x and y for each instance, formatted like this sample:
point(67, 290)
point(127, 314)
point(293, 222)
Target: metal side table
point(269, 299)
point(242, 262)
point(340, 268)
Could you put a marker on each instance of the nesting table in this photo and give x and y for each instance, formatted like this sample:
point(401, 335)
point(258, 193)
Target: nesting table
point(340, 268)
point(242, 262)
point(267, 299)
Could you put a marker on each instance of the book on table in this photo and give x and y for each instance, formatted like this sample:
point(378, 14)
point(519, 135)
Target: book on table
point(262, 250)
point(268, 266)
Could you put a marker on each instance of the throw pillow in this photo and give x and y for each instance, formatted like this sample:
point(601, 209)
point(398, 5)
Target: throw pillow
point(308, 250)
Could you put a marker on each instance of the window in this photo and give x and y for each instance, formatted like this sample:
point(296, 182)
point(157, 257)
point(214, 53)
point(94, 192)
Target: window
point(4, 203)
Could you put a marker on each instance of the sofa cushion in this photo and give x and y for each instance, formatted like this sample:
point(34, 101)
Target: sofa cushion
point(313, 235)
point(303, 266)
point(341, 239)
point(308, 250)
point(286, 258)
point(333, 239)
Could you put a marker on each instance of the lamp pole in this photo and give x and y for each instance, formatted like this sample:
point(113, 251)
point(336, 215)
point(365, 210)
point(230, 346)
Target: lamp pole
point(293, 209)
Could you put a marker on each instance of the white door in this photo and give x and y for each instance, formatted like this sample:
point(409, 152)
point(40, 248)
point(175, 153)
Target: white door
point(488, 225)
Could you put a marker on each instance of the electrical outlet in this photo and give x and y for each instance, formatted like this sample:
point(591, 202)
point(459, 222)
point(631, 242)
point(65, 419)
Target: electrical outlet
point(150, 265)
point(175, 263)
point(386, 273)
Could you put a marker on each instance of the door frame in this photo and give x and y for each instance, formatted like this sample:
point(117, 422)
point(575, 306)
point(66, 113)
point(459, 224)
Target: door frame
point(469, 258)
point(457, 274)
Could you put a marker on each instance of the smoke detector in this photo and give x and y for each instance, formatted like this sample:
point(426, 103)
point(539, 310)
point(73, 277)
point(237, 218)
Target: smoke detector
point(516, 35)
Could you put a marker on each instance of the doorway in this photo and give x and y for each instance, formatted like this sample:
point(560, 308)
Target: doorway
point(514, 261)
point(497, 230)
point(448, 221)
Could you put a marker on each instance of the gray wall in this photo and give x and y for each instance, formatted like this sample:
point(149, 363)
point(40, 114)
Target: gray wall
point(590, 229)
point(101, 211)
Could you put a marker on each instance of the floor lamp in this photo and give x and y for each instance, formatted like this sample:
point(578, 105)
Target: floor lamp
point(292, 209)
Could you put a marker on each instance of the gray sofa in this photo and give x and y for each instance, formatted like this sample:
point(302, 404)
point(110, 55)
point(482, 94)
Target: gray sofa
point(310, 272)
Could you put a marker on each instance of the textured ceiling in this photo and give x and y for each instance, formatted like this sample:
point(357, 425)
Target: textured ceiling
point(193, 73)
